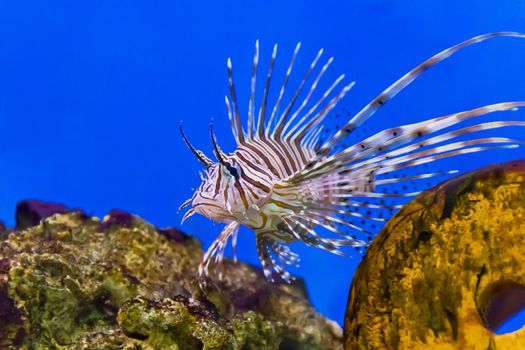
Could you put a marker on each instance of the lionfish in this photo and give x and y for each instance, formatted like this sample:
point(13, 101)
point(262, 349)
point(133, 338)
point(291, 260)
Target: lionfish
point(283, 183)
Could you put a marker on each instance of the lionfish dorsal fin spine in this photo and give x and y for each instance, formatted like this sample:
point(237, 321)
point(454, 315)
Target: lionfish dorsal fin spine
point(307, 98)
point(264, 104)
point(297, 134)
point(320, 115)
point(235, 106)
point(282, 119)
point(233, 124)
point(283, 88)
point(251, 106)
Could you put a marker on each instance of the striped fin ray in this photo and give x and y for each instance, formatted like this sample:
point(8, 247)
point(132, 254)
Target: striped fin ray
point(369, 194)
point(415, 177)
point(332, 227)
point(231, 118)
point(332, 218)
point(266, 137)
point(266, 249)
point(386, 165)
point(217, 249)
point(236, 117)
point(334, 201)
point(342, 181)
point(283, 88)
point(309, 95)
point(383, 162)
point(434, 157)
point(280, 123)
point(351, 201)
point(456, 133)
point(310, 236)
point(234, 236)
point(185, 203)
point(356, 194)
point(311, 139)
point(399, 85)
point(262, 110)
point(278, 266)
point(251, 106)
point(395, 154)
point(452, 147)
point(394, 137)
point(312, 122)
point(264, 256)
point(344, 212)
point(330, 223)
point(284, 254)
point(391, 138)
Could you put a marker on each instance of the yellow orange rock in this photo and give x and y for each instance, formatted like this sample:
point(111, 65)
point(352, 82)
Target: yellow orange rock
point(447, 269)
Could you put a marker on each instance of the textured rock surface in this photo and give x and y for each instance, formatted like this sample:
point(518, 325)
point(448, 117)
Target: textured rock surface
point(448, 268)
point(74, 282)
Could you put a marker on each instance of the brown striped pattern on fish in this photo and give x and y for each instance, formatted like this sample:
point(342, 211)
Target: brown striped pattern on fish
point(287, 186)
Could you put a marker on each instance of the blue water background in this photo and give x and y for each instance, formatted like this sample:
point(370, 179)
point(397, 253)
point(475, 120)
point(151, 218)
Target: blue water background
point(92, 93)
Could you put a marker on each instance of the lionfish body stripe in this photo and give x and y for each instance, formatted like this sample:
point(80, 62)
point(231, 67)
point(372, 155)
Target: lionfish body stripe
point(284, 183)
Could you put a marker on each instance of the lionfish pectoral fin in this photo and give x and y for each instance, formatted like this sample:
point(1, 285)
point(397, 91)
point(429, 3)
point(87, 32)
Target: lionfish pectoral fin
point(216, 251)
point(328, 204)
point(234, 245)
point(267, 249)
point(262, 251)
point(284, 254)
point(385, 96)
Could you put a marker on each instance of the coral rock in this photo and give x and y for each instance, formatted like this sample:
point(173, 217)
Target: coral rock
point(447, 269)
point(31, 212)
point(74, 282)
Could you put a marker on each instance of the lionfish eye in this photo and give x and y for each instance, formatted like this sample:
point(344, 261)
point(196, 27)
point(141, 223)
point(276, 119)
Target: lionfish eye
point(233, 171)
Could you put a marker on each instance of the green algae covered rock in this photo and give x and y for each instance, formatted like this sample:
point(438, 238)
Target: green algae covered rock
point(75, 282)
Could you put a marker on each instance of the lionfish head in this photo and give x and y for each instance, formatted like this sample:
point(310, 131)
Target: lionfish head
point(216, 198)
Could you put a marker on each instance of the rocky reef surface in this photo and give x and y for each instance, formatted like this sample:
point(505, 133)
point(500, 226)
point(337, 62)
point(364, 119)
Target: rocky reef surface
point(72, 281)
point(447, 269)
